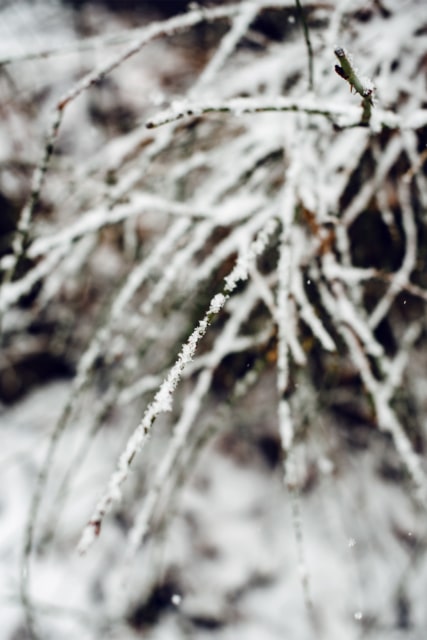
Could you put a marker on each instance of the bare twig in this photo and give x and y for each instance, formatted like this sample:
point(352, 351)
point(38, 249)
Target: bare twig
point(343, 116)
point(363, 87)
point(307, 38)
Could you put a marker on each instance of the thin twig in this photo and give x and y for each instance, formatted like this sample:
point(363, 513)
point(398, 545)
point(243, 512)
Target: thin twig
point(363, 87)
point(23, 228)
point(304, 23)
point(240, 106)
point(342, 116)
point(162, 402)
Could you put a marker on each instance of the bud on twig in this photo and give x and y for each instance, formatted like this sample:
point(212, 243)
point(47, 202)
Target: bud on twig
point(363, 87)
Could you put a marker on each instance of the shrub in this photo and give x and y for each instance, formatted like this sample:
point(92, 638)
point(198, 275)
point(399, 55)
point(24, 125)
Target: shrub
point(239, 219)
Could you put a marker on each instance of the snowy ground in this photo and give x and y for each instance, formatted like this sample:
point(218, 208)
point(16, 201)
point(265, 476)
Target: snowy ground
point(236, 550)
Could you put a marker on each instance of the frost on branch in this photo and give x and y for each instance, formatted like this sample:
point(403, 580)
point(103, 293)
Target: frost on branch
point(162, 402)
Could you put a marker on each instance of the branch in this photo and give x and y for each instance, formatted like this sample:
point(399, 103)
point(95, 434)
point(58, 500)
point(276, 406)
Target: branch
point(240, 106)
point(304, 23)
point(363, 86)
point(343, 116)
point(162, 402)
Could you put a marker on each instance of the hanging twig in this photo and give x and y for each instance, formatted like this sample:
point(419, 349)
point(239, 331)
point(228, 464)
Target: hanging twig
point(303, 19)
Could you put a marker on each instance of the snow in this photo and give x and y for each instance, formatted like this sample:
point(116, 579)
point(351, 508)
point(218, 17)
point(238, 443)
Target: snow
point(240, 429)
point(242, 544)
